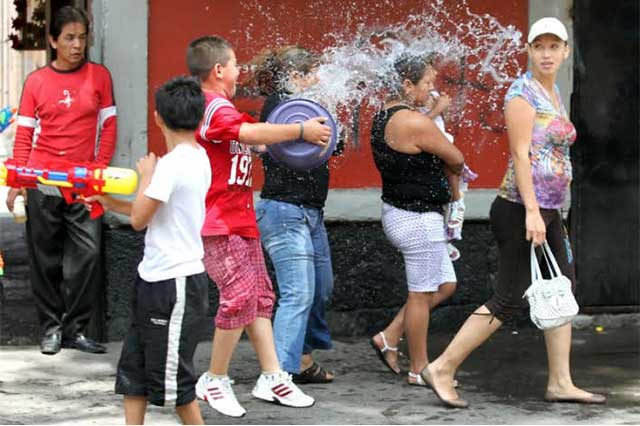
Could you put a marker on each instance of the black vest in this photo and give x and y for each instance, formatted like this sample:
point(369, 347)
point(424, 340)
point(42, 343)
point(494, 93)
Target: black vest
point(414, 182)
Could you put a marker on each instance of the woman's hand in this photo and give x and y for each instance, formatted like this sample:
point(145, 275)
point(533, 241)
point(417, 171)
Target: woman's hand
point(12, 194)
point(442, 103)
point(536, 229)
point(430, 104)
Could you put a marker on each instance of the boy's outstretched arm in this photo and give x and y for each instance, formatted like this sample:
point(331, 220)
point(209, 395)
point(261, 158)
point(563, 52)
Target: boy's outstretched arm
point(267, 133)
point(143, 208)
point(111, 204)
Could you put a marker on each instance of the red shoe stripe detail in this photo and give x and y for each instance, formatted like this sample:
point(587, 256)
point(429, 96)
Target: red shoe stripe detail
point(282, 391)
point(278, 387)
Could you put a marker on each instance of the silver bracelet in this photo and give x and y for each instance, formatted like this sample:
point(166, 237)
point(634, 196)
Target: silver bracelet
point(301, 130)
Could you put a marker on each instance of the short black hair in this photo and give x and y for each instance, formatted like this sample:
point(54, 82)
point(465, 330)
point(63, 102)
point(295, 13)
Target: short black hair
point(180, 103)
point(68, 15)
point(205, 52)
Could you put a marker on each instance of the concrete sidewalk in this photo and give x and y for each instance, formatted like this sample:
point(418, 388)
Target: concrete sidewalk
point(504, 381)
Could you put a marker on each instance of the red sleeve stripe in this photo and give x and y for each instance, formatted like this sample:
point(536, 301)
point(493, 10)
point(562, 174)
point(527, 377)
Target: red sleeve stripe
point(26, 121)
point(208, 114)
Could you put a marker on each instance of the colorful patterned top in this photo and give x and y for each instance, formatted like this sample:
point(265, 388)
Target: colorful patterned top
point(552, 136)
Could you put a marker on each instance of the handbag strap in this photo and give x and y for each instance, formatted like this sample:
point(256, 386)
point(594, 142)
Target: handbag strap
point(554, 269)
point(536, 274)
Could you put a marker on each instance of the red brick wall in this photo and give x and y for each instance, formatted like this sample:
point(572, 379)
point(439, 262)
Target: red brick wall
point(172, 26)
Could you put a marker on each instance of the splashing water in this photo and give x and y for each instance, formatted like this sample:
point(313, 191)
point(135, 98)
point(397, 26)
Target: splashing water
point(478, 56)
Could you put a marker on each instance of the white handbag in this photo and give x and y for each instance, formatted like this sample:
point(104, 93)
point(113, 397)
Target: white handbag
point(551, 301)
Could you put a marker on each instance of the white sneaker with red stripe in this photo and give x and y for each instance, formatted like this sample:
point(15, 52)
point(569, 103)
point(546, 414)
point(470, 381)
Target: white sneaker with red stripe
point(279, 387)
point(218, 393)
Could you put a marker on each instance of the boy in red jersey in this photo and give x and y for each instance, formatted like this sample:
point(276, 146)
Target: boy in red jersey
point(233, 255)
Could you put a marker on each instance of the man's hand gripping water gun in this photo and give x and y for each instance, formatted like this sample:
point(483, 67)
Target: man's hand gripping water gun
point(73, 182)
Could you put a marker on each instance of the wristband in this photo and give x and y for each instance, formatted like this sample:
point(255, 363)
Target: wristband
point(301, 130)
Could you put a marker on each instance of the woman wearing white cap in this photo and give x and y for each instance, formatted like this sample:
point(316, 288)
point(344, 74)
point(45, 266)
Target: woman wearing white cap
point(526, 209)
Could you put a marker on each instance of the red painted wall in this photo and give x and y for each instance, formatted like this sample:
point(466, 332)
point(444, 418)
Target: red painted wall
point(254, 25)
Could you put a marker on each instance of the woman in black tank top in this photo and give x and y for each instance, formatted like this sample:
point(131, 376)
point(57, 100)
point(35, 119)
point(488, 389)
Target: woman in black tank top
point(411, 155)
point(410, 181)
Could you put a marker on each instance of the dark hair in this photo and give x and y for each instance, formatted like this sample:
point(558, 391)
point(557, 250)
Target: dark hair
point(68, 15)
point(205, 52)
point(180, 103)
point(412, 67)
point(408, 67)
point(273, 67)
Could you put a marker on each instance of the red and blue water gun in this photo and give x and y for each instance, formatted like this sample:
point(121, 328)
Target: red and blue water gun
point(6, 117)
point(74, 182)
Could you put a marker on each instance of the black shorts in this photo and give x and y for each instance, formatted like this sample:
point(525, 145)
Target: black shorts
point(514, 265)
point(157, 353)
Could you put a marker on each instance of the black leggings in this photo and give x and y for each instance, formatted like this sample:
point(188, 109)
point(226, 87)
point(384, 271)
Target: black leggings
point(514, 267)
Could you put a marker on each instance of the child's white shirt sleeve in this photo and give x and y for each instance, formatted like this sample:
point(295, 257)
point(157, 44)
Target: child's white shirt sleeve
point(162, 182)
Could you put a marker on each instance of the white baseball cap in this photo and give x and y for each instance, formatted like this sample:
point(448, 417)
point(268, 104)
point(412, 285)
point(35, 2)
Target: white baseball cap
point(547, 26)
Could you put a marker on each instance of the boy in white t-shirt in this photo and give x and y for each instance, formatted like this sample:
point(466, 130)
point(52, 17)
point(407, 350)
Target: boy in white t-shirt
point(171, 294)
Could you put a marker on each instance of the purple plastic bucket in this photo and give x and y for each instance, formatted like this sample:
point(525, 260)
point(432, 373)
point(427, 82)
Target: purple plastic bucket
point(299, 154)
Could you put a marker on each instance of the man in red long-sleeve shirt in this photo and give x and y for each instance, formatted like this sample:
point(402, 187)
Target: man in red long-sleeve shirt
point(67, 113)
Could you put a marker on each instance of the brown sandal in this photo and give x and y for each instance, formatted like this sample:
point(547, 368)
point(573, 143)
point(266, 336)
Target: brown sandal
point(313, 374)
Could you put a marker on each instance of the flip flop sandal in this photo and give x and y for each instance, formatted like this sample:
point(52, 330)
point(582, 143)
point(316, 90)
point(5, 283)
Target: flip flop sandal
point(416, 380)
point(385, 348)
point(313, 374)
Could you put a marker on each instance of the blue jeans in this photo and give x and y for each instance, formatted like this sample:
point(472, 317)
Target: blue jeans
point(296, 240)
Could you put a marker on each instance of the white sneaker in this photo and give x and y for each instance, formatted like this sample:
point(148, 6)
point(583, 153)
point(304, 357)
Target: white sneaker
point(219, 394)
point(279, 387)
